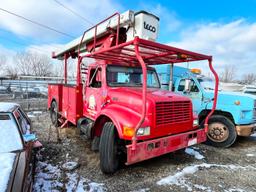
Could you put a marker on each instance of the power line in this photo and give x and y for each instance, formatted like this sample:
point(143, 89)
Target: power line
point(75, 13)
point(36, 23)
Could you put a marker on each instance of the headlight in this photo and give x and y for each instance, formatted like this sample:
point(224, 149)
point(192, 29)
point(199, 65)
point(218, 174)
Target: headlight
point(143, 131)
point(195, 122)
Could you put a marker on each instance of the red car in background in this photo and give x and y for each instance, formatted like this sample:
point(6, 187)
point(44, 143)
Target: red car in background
point(17, 149)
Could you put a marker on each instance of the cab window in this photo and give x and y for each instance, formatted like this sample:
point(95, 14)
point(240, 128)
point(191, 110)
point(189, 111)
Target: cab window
point(192, 87)
point(181, 86)
point(95, 78)
point(23, 122)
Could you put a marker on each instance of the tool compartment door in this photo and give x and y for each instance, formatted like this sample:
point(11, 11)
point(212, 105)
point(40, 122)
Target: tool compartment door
point(55, 92)
point(72, 103)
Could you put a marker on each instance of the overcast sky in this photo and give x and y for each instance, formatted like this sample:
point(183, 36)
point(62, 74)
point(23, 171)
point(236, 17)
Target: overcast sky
point(224, 29)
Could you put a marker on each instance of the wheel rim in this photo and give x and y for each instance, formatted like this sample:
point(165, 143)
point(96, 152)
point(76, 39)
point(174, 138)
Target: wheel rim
point(218, 132)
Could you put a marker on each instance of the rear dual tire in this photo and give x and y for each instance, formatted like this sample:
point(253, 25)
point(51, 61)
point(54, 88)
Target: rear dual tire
point(54, 114)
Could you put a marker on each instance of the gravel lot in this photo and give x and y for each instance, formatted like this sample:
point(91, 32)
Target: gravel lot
point(200, 168)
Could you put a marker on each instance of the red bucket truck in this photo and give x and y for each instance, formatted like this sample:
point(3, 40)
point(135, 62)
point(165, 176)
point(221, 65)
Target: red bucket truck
point(117, 101)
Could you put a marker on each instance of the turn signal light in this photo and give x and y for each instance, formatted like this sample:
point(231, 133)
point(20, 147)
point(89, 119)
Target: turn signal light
point(237, 102)
point(128, 131)
point(182, 56)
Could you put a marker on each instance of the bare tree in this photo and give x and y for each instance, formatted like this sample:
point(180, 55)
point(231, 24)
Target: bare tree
point(11, 71)
point(23, 63)
point(7, 69)
point(58, 69)
point(228, 73)
point(249, 78)
point(29, 63)
point(71, 68)
point(42, 65)
point(3, 60)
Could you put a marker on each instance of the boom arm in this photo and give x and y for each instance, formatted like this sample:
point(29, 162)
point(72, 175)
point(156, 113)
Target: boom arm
point(97, 31)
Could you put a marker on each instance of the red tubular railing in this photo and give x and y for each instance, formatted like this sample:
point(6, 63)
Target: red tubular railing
point(215, 95)
point(144, 91)
point(65, 67)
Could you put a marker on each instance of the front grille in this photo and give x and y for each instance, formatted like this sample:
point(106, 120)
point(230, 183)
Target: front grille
point(172, 112)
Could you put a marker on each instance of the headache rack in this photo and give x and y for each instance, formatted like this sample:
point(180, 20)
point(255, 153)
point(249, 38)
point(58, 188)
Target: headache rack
point(152, 53)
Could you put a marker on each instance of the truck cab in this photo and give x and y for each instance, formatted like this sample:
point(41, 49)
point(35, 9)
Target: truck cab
point(235, 113)
point(115, 91)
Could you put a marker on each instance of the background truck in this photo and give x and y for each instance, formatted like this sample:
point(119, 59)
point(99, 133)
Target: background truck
point(235, 113)
point(117, 101)
point(236, 87)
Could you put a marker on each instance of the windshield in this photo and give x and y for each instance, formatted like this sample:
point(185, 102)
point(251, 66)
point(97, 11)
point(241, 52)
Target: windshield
point(10, 139)
point(251, 92)
point(207, 83)
point(121, 76)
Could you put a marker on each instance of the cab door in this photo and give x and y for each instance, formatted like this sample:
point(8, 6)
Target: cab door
point(193, 92)
point(93, 97)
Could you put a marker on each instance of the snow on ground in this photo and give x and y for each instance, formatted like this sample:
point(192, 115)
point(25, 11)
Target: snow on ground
point(194, 153)
point(33, 114)
point(250, 155)
point(81, 184)
point(47, 177)
point(6, 164)
point(180, 180)
point(70, 166)
point(142, 190)
point(38, 112)
point(253, 135)
point(53, 178)
point(234, 190)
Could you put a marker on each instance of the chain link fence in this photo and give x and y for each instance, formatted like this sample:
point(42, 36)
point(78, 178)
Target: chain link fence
point(30, 94)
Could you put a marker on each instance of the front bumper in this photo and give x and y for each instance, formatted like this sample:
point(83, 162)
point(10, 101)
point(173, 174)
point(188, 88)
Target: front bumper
point(156, 147)
point(245, 130)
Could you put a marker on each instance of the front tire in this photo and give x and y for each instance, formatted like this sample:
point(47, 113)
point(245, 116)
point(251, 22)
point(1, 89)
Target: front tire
point(221, 131)
point(109, 158)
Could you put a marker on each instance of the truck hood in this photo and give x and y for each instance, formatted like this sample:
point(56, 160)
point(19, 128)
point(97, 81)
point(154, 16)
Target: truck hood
point(153, 94)
point(228, 98)
point(132, 97)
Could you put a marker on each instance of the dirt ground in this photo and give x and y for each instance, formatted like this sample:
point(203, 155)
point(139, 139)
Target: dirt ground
point(201, 168)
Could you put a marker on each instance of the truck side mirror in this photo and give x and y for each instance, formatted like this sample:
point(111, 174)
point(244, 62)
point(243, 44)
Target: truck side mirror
point(187, 86)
